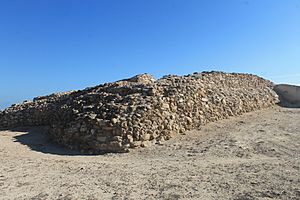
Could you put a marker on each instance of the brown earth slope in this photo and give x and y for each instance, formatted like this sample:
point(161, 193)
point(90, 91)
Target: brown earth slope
point(255, 156)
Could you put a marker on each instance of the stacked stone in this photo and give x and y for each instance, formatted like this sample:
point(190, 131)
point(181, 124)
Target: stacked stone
point(141, 111)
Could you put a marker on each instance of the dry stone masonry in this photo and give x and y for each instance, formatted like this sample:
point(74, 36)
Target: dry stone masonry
point(140, 111)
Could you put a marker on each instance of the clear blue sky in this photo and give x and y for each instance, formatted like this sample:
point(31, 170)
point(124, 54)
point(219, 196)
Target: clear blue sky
point(58, 45)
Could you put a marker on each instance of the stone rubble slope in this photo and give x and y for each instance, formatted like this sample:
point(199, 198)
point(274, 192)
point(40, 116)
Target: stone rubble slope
point(140, 111)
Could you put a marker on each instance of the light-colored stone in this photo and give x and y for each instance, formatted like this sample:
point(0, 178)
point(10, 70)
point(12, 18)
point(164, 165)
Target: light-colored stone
point(114, 120)
point(204, 99)
point(145, 137)
point(108, 117)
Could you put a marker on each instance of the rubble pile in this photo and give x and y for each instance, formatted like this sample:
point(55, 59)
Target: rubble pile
point(140, 111)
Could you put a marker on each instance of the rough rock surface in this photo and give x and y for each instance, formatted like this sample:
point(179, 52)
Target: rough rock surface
point(140, 111)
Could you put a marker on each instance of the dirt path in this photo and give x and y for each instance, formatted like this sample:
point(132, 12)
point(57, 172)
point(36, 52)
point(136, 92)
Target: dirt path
point(256, 156)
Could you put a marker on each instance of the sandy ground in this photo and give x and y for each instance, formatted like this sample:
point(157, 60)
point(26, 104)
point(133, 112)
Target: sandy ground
point(256, 156)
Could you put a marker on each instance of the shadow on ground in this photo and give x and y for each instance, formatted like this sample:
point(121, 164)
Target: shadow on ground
point(37, 140)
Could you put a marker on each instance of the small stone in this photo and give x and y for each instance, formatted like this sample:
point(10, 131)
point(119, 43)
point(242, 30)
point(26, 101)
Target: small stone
point(160, 142)
point(146, 144)
point(130, 138)
point(126, 145)
point(189, 120)
point(136, 144)
point(117, 138)
point(201, 93)
point(83, 129)
point(145, 137)
point(114, 120)
point(115, 145)
point(101, 138)
point(204, 99)
point(153, 136)
point(165, 106)
point(92, 116)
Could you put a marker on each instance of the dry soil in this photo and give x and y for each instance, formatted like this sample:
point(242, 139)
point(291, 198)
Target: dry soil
point(255, 156)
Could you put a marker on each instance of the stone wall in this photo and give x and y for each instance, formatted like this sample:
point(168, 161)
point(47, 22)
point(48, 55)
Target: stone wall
point(140, 111)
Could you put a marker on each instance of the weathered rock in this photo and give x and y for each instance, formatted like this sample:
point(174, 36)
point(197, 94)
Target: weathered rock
point(129, 113)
